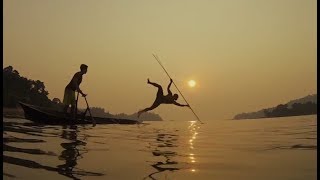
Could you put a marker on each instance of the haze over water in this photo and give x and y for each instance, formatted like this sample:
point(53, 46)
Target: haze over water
point(276, 148)
point(245, 55)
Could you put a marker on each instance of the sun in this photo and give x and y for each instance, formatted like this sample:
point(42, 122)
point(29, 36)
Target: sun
point(192, 83)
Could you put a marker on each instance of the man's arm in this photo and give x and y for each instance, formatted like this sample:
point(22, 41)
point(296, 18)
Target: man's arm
point(178, 104)
point(169, 92)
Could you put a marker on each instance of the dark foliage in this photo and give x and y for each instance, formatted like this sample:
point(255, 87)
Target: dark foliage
point(18, 88)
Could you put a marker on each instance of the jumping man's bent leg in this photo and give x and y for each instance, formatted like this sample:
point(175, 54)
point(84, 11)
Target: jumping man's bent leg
point(157, 102)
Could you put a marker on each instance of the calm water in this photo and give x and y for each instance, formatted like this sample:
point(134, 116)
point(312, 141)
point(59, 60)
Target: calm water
point(280, 148)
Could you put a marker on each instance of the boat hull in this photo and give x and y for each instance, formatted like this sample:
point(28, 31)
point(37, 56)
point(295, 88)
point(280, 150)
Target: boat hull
point(52, 117)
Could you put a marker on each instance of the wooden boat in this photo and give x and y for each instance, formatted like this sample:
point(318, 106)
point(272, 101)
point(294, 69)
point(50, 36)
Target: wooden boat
point(54, 117)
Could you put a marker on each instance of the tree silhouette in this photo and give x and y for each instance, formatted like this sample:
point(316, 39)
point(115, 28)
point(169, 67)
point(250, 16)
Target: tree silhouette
point(17, 88)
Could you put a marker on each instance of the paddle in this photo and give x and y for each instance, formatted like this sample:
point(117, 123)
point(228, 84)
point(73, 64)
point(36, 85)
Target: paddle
point(156, 57)
point(88, 108)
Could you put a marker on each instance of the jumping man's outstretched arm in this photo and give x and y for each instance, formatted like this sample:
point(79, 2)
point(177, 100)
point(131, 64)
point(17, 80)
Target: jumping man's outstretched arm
point(182, 105)
point(169, 92)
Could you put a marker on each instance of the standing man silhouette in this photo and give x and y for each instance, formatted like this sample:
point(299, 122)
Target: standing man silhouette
point(73, 86)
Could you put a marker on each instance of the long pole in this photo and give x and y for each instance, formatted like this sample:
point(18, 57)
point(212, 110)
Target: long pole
point(75, 111)
point(176, 87)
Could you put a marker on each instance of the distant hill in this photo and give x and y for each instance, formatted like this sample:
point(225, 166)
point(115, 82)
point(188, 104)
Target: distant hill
point(302, 106)
point(309, 98)
point(148, 116)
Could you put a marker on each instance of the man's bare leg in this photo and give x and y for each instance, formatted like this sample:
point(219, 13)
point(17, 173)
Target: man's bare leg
point(154, 105)
point(73, 115)
point(154, 84)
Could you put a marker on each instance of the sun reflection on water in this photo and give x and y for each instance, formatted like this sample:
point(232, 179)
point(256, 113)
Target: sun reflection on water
point(193, 132)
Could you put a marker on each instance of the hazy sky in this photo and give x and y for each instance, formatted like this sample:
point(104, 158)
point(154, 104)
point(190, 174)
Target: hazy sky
point(245, 55)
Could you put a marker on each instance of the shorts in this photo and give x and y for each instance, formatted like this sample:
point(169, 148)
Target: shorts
point(69, 97)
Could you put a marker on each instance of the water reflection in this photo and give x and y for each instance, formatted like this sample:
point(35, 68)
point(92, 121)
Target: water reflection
point(72, 152)
point(193, 135)
point(168, 146)
point(19, 129)
point(163, 142)
point(16, 132)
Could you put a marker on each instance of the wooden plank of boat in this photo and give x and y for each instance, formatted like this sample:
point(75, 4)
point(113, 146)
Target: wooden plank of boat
point(53, 117)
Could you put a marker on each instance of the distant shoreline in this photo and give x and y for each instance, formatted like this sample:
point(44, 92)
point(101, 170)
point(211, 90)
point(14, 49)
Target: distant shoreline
point(273, 117)
point(303, 106)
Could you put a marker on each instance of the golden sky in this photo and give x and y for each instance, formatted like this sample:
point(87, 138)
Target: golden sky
point(245, 55)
